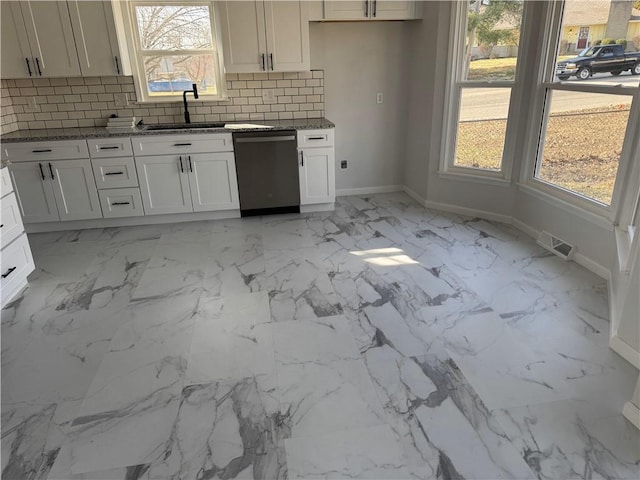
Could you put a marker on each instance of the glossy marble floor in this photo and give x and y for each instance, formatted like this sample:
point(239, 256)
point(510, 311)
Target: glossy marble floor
point(381, 340)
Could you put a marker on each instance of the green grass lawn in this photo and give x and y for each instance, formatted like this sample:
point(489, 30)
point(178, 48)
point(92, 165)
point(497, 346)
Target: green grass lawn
point(496, 68)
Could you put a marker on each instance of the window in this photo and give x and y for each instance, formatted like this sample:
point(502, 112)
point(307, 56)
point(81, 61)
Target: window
point(486, 38)
point(589, 93)
point(174, 45)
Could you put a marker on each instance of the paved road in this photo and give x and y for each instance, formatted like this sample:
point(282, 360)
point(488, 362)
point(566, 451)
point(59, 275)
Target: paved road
point(494, 104)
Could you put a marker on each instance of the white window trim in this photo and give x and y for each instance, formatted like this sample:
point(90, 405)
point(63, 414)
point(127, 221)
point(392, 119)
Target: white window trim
point(540, 112)
point(137, 67)
point(447, 167)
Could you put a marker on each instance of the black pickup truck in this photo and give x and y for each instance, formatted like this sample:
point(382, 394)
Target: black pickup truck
point(598, 59)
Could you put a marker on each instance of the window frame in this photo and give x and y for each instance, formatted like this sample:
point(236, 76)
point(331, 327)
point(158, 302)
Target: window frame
point(137, 54)
point(453, 95)
point(540, 113)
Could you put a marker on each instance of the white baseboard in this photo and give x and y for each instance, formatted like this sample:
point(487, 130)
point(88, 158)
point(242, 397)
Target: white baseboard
point(625, 351)
point(318, 207)
point(413, 194)
point(344, 192)
point(469, 212)
point(523, 227)
point(632, 413)
point(129, 221)
point(592, 266)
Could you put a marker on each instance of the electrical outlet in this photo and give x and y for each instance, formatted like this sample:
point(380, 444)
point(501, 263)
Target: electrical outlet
point(120, 99)
point(343, 164)
point(268, 95)
point(379, 98)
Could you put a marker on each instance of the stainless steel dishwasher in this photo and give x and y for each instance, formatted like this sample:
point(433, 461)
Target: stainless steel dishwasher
point(267, 168)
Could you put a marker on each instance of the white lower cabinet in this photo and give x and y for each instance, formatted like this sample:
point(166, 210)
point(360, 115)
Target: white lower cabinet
point(75, 190)
point(57, 190)
point(16, 261)
point(188, 183)
point(317, 175)
point(35, 192)
point(163, 184)
point(213, 182)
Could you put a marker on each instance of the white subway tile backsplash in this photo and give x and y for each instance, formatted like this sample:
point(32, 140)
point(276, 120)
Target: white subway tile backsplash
point(81, 102)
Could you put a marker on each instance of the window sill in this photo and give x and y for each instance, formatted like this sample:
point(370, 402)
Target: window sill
point(485, 177)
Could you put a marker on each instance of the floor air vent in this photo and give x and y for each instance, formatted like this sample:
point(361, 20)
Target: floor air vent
point(556, 245)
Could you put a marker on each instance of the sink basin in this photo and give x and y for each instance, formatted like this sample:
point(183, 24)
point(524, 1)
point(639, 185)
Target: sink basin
point(183, 126)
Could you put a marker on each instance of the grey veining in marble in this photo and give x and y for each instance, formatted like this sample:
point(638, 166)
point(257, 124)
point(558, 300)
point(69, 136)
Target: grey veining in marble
point(380, 340)
point(100, 132)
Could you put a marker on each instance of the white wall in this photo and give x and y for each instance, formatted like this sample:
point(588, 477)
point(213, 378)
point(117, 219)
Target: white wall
point(361, 59)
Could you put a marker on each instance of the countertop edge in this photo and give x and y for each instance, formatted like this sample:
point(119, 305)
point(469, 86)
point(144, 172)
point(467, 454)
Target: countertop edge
point(83, 133)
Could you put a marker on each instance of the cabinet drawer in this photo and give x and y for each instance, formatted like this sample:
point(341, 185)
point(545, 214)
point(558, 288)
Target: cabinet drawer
point(315, 138)
point(5, 182)
point(177, 144)
point(44, 151)
point(114, 172)
point(121, 202)
point(10, 220)
point(16, 263)
point(109, 147)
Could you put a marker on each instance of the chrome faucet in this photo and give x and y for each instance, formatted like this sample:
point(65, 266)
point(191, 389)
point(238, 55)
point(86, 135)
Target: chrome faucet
point(187, 117)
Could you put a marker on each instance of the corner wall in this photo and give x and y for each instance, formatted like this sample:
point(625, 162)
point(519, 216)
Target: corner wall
point(361, 59)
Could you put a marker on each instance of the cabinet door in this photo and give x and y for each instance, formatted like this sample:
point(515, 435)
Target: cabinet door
point(75, 189)
point(164, 184)
point(95, 37)
point(14, 45)
point(393, 10)
point(33, 188)
point(213, 182)
point(51, 37)
point(287, 29)
point(317, 176)
point(347, 10)
point(243, 36)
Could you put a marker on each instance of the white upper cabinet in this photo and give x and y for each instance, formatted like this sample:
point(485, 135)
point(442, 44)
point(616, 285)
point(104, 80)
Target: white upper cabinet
point(287, 28)
point(370, 10)
point(95, 37)
point(264, 35)
point(15, 54)
point(50, 38)
point(44, 38)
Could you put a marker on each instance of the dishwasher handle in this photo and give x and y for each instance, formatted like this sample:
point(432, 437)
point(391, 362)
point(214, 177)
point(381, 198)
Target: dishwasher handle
point(287, 138)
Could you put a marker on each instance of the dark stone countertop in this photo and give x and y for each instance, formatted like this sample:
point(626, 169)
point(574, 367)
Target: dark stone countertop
point(101, 132)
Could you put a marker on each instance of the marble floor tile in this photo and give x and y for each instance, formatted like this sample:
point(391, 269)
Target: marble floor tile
point(323, 398)
point(322, 340)
point(298, 285)
point(366, 453)
point(378, 340)
point(222, 430)
point(574, 439)
point(174, 269)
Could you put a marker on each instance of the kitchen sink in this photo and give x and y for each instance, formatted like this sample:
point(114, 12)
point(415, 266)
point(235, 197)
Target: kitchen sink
point(184, 126)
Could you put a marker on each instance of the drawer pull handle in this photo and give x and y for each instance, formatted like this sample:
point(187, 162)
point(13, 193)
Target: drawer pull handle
point(41, 171)
point(38, 65)
point(44, 150)
point(115, 147)
point(51, 171)
point(121, 203)
point(9, 272)
point(114, 173)
point(190, 164)
point(181, 166)
point(29, 66)
point(181, 144)
point(316, 138)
